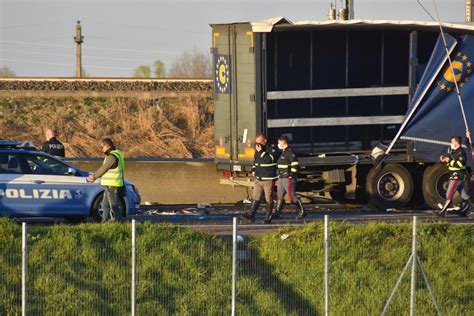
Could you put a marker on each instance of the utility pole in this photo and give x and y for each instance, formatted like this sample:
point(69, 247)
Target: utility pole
point(469, 12)
point(79, 40)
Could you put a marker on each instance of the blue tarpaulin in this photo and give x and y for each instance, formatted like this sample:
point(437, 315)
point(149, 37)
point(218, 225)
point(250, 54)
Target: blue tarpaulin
point(434, 115)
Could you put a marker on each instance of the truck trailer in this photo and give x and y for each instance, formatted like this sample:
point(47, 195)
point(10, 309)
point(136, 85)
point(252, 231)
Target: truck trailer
point(336, 89)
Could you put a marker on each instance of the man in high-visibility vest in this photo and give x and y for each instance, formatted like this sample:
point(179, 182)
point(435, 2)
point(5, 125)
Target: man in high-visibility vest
point(111, 175)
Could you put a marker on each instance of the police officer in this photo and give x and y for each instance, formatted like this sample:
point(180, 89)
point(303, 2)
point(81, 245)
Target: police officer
point(264, 170)
point(52, 145)
point(111, 175)
point(287, 171)
point(458, 175)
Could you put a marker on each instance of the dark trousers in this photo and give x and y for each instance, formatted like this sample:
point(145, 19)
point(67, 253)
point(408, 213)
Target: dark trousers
point(460, 186)
point(111, 204)
point(287, 185)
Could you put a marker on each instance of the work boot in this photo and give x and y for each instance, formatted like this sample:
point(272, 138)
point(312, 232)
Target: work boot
point(301, 211)
point(442, 212)
point(250, 215)
point(268, 215)
point(279, 208)
point(467, 205)
point(471, 203)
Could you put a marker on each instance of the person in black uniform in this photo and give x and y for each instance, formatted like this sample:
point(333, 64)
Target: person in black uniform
point(456, 161)
point(264, 171)
point(53, 146)
point(287, 171)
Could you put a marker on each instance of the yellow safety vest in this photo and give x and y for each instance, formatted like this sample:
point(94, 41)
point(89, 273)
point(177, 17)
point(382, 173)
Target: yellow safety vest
point(114, 177)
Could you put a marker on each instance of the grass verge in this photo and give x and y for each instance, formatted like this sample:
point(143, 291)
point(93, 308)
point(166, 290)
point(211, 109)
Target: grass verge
point(85, 270)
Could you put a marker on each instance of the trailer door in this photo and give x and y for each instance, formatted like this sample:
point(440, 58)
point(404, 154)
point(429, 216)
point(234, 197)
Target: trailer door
point(234, 87)
point(245, 120)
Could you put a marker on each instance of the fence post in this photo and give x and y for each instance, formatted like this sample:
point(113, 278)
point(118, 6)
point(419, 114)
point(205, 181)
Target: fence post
point(326, 265)
point(413, 269)
point(234, 266)
point(24, 269)
point(134, 270)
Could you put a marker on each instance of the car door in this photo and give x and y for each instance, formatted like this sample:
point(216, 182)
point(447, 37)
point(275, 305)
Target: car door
point(15, 184)
point(59, 191)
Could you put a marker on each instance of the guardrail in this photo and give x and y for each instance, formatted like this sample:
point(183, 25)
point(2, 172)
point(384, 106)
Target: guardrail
point(173, 180)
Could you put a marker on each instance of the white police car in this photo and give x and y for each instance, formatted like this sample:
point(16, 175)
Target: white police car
point(35, 184)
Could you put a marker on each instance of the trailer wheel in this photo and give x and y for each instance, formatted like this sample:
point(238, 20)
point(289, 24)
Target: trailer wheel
point(390, 186)
point(435, 185)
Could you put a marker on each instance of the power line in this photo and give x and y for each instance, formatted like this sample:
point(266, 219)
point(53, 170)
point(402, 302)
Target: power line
point(93, 47)
point(149, 27)
point(131, 50)
point(63, 64)
point(70, 55)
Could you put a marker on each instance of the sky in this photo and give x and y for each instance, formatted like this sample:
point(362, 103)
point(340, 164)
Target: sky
point(36, 36)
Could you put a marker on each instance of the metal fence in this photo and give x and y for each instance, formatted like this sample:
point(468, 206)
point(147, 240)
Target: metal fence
point(321, 268)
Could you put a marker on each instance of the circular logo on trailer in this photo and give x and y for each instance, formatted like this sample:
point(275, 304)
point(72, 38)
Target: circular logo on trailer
point(462, 68)
point(222, 74)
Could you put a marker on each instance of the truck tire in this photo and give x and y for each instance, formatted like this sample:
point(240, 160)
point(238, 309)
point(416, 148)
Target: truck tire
point(435, 184)
point(390, 186)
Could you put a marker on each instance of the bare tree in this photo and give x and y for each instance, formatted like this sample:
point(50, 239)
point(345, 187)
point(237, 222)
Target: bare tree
point(6, 72)
point(194, 64)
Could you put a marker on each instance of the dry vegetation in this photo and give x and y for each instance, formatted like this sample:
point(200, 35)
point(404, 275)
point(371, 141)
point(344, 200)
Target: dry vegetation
point(174, 128)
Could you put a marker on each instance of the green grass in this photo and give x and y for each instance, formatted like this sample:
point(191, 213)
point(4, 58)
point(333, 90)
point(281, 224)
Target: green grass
point(85, 270)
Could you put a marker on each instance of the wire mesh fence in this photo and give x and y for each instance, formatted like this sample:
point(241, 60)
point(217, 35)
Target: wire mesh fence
point(172, 270)
point(182, 272)
point(10, 270)
point(446, 254)
point(79, 270)
point(281, 274)
point(361, 283)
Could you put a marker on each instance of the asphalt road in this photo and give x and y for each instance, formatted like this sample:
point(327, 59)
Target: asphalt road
point(217, 219)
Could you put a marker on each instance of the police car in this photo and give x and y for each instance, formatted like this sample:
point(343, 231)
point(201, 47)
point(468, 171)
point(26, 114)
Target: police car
point(35, 184)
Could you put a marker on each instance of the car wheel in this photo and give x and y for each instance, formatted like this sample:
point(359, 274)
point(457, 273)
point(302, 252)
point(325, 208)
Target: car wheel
point(97, 210)
point(390, 186)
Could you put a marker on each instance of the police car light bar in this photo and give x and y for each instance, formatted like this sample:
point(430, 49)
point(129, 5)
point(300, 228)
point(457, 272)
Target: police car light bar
point(8, 143)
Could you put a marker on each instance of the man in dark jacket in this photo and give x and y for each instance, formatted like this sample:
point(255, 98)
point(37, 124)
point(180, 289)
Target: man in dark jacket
point(53, 146)
point(264, 170)
point(456, 160)
point(287, 171)
point(111, 175)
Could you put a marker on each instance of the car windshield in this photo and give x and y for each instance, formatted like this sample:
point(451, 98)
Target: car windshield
point(40, 164)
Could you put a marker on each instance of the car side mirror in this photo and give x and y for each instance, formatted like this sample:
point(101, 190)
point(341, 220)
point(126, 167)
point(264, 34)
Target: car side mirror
point(71, 172)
